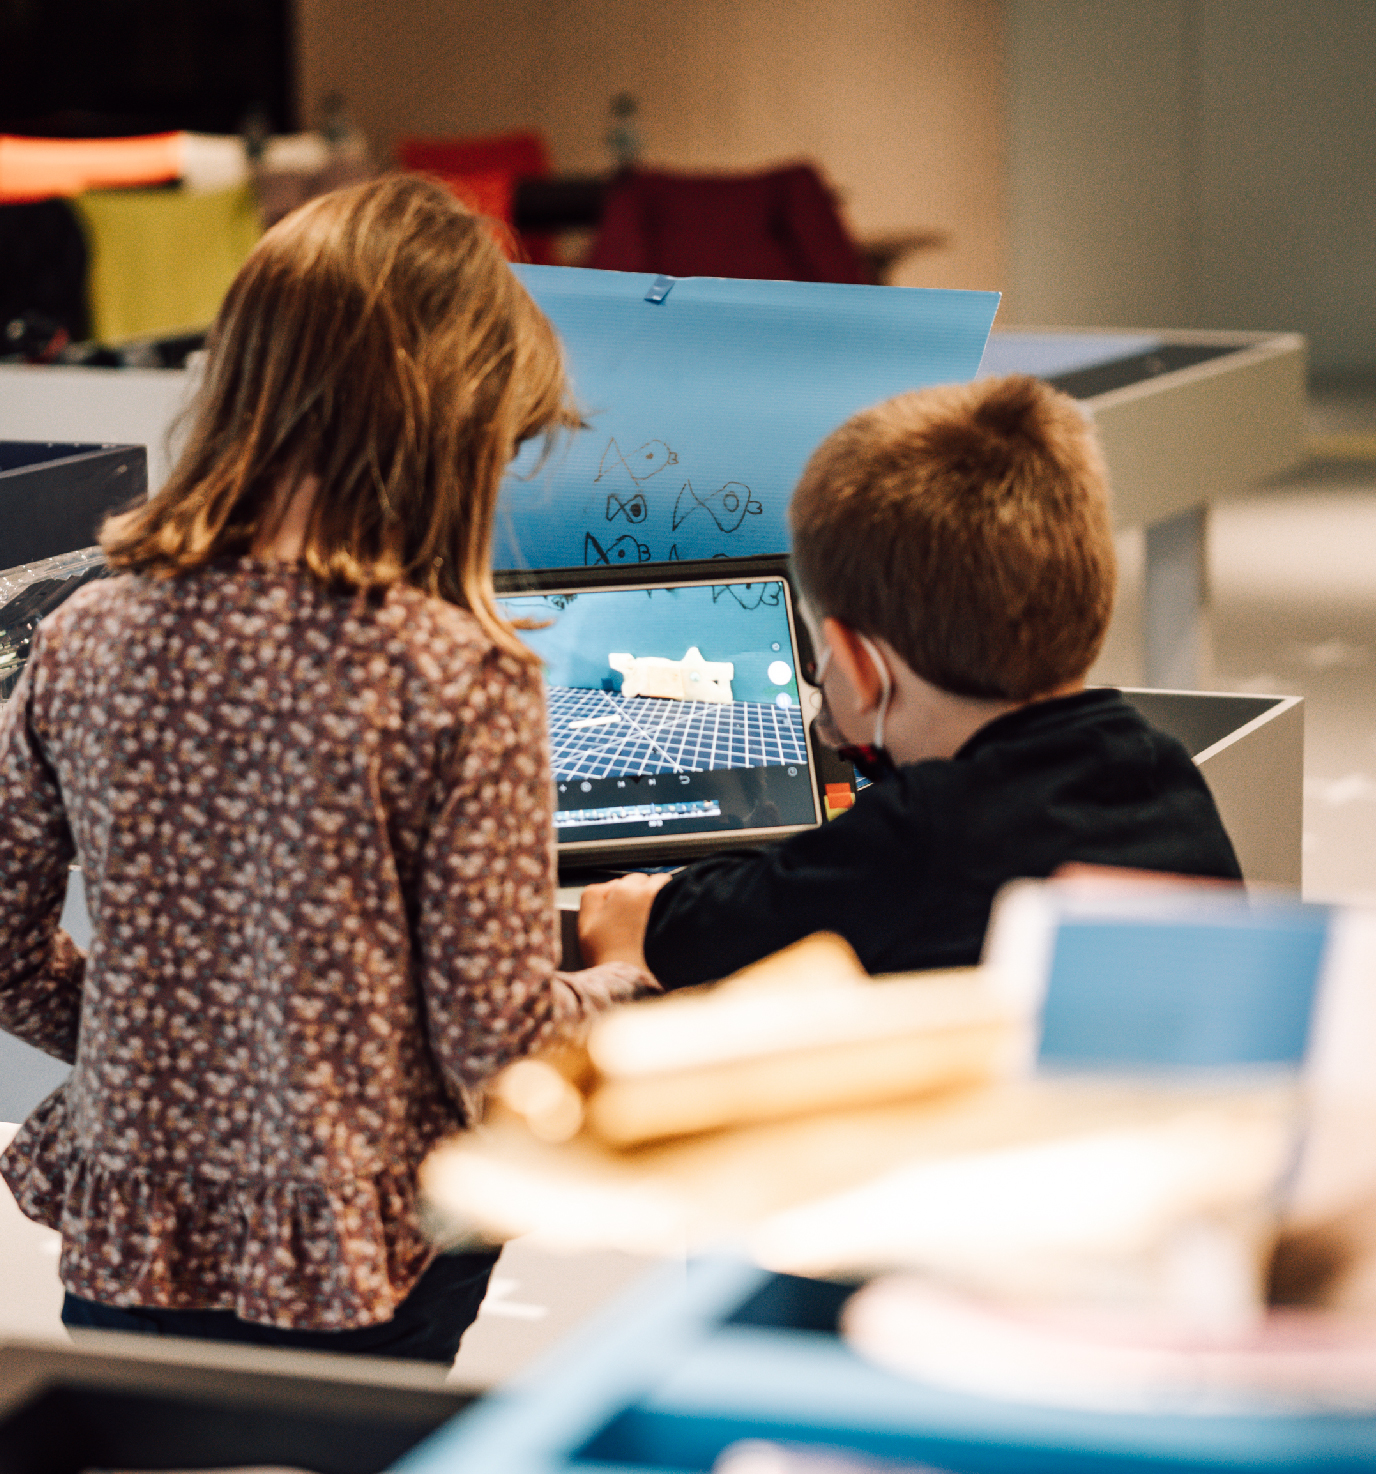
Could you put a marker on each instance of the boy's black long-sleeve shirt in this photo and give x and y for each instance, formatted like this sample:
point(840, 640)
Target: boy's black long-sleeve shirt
point(908, 875)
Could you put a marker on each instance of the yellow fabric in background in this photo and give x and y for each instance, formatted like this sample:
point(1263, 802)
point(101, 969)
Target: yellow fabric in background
point(161, 259)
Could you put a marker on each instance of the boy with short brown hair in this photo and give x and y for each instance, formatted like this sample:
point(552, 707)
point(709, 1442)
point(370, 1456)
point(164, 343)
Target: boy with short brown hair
point(955, 557)
point(968, 526)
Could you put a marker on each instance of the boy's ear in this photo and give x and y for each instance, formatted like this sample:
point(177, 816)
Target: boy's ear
point(848, 651)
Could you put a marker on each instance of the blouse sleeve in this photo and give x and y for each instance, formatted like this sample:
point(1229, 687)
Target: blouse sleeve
point(487, 917)
point(41, 968)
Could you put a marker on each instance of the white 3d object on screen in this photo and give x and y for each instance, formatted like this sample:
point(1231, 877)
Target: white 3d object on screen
point(689, 679)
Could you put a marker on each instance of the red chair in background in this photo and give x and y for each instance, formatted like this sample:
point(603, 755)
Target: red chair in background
point(781, 225)
point(483, 172)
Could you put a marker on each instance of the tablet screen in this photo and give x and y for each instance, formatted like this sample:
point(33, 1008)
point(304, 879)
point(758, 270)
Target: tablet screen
point(674, 709)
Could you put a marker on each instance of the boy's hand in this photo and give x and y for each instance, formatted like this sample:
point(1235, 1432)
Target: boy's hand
point(612, 918)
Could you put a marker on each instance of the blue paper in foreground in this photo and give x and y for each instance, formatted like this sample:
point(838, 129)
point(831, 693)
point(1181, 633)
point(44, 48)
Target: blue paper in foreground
point(704, 407)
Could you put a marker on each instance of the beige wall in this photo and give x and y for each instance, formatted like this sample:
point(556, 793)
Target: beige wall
point(900, 101)
point(1099, 161)
point(1196, 163)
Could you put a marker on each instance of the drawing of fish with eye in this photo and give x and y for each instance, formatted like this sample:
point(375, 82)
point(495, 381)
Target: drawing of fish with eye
point(634, 508)
point(645, 461)
point(624, 550)
point(728, 506)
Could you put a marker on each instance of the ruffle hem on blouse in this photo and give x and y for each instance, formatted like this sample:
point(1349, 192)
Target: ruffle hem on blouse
point(300, 1254)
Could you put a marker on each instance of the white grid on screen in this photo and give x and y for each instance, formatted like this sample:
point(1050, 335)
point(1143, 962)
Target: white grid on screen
point(643, 734)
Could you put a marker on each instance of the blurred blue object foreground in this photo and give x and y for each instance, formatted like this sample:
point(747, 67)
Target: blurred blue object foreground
point(1135, 977)
point(1232, 985)
point(1160, 974)
point(674, 1375)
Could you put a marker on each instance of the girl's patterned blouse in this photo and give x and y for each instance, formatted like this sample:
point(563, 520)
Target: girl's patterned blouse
point(315, 831)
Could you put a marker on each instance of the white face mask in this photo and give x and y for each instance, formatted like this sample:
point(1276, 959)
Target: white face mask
point(885, 681)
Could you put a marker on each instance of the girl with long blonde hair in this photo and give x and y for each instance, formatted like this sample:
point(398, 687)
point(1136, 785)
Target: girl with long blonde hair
point(301, 759)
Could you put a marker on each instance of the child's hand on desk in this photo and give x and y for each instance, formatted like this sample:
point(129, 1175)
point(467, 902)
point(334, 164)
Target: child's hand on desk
point(612, 918)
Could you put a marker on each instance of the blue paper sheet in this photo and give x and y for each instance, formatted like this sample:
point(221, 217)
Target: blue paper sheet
point(705, 406)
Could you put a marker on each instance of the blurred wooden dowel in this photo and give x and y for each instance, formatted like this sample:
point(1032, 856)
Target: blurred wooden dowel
point(805, 1030)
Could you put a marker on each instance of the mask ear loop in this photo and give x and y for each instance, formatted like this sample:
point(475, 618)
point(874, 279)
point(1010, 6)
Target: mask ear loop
point(882, 671)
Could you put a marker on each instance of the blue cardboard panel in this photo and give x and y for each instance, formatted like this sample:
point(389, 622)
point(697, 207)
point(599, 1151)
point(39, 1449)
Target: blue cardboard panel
point(705, 405)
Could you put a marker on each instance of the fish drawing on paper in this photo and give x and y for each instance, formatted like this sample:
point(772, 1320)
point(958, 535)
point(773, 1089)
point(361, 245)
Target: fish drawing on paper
point(643, 462)
point(634, 507)
point(728, 506)
point(624, 550)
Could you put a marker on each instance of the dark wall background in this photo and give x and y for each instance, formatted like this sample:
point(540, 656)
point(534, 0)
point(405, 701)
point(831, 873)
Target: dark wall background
point(107, 67)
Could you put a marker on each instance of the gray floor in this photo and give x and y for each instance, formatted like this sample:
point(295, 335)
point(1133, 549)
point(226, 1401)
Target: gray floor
point(1294, 610)
point(1293, 569)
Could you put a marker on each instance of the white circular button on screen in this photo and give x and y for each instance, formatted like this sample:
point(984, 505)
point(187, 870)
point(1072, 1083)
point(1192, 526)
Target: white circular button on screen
point(783, 699)
point(780, 672)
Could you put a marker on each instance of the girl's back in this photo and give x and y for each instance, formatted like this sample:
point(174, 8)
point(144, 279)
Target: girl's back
point(301, 759)
point(257, 775)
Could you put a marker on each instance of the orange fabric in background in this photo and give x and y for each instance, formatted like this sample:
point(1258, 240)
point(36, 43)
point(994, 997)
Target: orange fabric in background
point(39, 168)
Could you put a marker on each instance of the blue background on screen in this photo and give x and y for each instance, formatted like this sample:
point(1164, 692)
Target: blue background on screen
point(589, 626)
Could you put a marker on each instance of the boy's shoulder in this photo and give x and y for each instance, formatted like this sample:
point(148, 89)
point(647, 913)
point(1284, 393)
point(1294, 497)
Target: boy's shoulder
point(1098, 722)
point(1094, 740)
point(1071, 761)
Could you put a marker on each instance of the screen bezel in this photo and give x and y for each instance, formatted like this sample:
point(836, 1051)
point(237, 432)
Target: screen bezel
point(594, 854)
